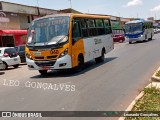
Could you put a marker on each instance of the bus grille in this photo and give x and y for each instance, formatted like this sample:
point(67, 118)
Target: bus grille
point(40, 58)
point(52, 57)
point(45, 63)
point(46, 57)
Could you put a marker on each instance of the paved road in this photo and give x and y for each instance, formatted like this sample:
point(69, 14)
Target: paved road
point(103, 87)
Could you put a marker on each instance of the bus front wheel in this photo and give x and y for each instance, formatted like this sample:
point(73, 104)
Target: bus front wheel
point(80, 65)
point(43, 72)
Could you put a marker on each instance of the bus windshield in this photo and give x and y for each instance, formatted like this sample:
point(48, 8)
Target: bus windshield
point(133, 28)
point(49, 30)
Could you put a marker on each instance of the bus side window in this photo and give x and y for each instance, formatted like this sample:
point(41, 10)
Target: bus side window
point(76, 34)
point(84, 28)
point(91, 27)
point(100, 27)
point(107, 27)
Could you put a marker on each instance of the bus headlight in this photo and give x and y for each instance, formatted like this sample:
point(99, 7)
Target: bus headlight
point(141, 35)
point(29, 56)
point(65, 52)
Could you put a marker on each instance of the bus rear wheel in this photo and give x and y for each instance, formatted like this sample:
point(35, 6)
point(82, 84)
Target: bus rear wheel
point(151, 37)
point(43, 72)
point(16, 66)
point(101, 58)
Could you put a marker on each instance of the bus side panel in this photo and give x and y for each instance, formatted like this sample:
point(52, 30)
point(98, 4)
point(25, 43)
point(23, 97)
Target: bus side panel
point(108, 40)
point(149, 33)
point(89, 48)
point(93, 46)
point(77, 48)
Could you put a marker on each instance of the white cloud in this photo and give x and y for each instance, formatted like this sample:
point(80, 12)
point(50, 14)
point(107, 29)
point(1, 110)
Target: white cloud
point(155, 9)
point(134, 3)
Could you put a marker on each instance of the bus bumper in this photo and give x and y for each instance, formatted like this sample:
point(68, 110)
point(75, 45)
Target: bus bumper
point(60, 63)
point(141, 38)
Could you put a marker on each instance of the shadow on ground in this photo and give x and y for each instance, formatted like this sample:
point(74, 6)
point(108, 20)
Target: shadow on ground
point(11, 68)
point(69, 72)
point(2, 73)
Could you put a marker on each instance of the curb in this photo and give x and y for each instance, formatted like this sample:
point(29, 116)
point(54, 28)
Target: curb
point(130, 107)
point(154, 77)
point(155, 82)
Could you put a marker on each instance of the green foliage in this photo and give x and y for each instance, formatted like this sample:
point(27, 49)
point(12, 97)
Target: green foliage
point(158, 74)
point(149, 102)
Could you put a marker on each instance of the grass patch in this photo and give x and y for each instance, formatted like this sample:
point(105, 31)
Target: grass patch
point(158, 74)
point(149, 102)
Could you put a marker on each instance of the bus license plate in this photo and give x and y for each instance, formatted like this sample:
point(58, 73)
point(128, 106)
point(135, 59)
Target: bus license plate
point(37, 53)
point(46, 68)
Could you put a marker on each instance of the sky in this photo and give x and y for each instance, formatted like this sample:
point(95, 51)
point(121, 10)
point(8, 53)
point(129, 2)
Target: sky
point(122, 8)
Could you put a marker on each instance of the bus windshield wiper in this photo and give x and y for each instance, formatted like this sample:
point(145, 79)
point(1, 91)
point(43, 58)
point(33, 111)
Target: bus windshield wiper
point(58, 43)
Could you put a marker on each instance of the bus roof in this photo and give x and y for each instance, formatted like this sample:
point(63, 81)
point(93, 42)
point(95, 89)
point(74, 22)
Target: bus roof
point(91, 16)
point(75, 15)
point(137, 21)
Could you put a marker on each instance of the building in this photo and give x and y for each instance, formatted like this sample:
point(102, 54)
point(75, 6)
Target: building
point(69, 10)
point(118, 24)
point(15, 20)
point(150, 18)
point(124, 20)
point(156, 23)
point(18, 17)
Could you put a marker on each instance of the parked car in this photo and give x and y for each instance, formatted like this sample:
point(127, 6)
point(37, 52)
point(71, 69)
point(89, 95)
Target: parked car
point(155, 30)
point(9, 57)
point(21, 52)
point(118, 38)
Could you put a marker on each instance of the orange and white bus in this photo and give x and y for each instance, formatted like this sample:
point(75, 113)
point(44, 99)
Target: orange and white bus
point(65, 41)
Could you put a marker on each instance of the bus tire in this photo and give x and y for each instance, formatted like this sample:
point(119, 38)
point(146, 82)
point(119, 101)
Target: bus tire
point(151, 37)
point(80, 65)
point(145, 38)
point(101, 58)
point(43, 72)
point(16, 66)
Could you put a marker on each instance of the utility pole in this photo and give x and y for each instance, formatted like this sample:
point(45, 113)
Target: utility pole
point(37, 3)
point(38, 7)
point(119, 14)
point(155, 16)
point(137, 15)
point(70, 3)
point(88, 11)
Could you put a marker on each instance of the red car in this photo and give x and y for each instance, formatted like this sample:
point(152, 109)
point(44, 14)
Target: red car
point(118, 38)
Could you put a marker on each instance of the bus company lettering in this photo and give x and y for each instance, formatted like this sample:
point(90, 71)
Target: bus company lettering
point(39, 85)
point(54, 52)
point(97, 41)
